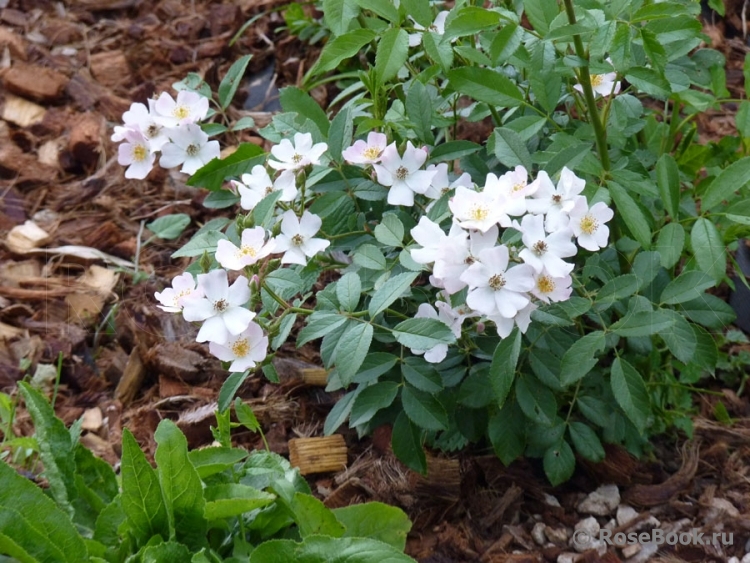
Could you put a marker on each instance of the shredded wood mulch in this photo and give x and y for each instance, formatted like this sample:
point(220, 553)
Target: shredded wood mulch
point(72, 235)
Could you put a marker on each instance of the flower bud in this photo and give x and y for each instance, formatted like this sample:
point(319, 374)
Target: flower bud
point(480, 327)
point(205, 262)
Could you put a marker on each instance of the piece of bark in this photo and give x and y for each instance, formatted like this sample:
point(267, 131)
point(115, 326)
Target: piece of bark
point(48, 153)
point(85, 141)
point(35, 82)
point(110, 68)
point(131, 380)
point(26, 237)
point(318, 455)
point(14, 17)
point(14, 42)
point(21, 111)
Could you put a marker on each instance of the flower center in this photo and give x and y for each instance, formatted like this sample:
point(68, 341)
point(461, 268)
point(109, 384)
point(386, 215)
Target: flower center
point(297, 240)
point(248, 251)
point(596, 80)
point(545, 284)
point(402, 173)
point(181, 112)
point(140, 153)
point(297, 158)
point(539, 248)
point(518, 187)
point(269, 190)
point(589, 224)
point(221, 305)
point(241, 347)
point(469, 260)
point(152, 130)
point(192, 150)
point(479, 213)
point(556, 199)
point(497, 282)
point(371, 153)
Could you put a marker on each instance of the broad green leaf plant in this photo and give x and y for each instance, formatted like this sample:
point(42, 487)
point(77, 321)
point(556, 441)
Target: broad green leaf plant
point(545, 290)
point(202, 506)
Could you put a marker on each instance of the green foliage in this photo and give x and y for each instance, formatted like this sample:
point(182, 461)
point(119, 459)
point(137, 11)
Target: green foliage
point(214, 504)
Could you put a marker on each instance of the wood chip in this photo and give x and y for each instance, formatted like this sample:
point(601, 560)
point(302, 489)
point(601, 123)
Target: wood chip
point(318, 455)
point(92, 419)
point(85, 141)
point(48, 153)
point(14, 42)
point(131, 380)
point(21, 111)
point(35, 82)
point(110, 68)
point(101, 280)
point(26, 237)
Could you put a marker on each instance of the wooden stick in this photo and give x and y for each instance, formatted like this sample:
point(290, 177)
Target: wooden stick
point(318, 455)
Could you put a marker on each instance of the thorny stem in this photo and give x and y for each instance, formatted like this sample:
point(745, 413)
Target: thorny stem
point(588, 93)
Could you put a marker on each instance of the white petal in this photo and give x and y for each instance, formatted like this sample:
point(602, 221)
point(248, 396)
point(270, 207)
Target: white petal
point(237, 319)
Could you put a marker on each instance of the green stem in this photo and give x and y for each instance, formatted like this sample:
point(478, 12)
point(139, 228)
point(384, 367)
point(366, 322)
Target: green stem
point(588, 93)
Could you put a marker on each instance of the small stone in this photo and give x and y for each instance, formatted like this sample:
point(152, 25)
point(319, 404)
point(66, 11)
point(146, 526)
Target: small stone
point(719, 507)
point(625, 514)
point(611, 525)
point(557, 536)
point(733, 560)
point(629, 550)
point(746, 558)
point(568, 557)
point(586, 535)
point(601, 502)
point(549, 500)
point(537, 533)
point(645, 553)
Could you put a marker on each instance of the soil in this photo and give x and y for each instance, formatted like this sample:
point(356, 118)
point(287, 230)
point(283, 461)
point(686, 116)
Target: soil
point(68, 294)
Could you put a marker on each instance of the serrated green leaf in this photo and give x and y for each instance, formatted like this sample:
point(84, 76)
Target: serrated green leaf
point(617, 288)
point(231, 81)
point(453, 150)
point(486, 86)
point(319, 324)
point(229, 388)
point(375, 520)
point(339, 413)
point(685, 287)
point(221, 199)
point(709, 310)
point(559, 463)
point(507, 432)
point(338, 15)
point(440, 51)
point(536, 401)
point(293, 99)
point(423, 409)
point(385, 10)
point(340, 134)
point(342, 47)
point(166, 551)
point(316, 549)
point(503, 367)
point(541, 13)
point(419, 111)
point(470, 20)
point(423, 334)
point(680, 338)
point(372, 399)
point(631, 214)
point(649, 81)
point(227, 500)
point(586, 441)
point(348, 291)
point(393, 49)
point(669, 244)
point(421, 375)
point(506, 43)
point(215, 459)
point(390, 230)
point(642, 323)
point(726, 184)
point(406, 442)
point(630, 393)
point(668, 181)
point(579, 358)
point(370, 257)
point(510, 149)
point(709, 249)
point(388, 293)
point(351, 350)
point(169, 227)
point(212, 175)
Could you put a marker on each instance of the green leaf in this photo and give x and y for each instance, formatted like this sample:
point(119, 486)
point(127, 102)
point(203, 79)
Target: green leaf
point(56, 448)
point(536, 401)
point(421, 375)
point(220, 199)
point(709, 310)
point(319, 324)
point(348, 291)
point(419, 111)
point(229, 388)
point(375, 520)
point(32, 528)
point(470, 20)
point(631, 214)
point(393, 49)
point(215, 459)
point(212, 175)
point(368, 256)
point(339, 413)
point(340, 133)
point(617, 288)
point(506, 43)
point(423, 334)
point(389, 292)
point(485, 85)
point(642, 323)
point(669, 244)
point(579, 358)
point(230, 499)
point(200, 243)
point(231, 81)
point(141, 497)
point(383, 9)
point(685, 287)
point(245, 416)
point(439, 50)
point(340, 48)
point(649, 81)
point(420, 10)
point(390, 230)
point(725, 186)
point(646, 266)
point(680, 338)
point(180, 485)
point(406, 442)
point(351, 350)
point(338, 15)
point(167, 551)
point(709, 249)
point(507, 432)
point(510, 149)
point(96, 474)
point(243, 123)
point(170, 226)
point(559, 463)
point(371, 400)
point(503, 367)
point(320, 549)
point(668, 181)
point(654, 49)
point(586, 441)
point(453, 150)
point(424, 409)
point(630, 393)
point(541, 13)
point(293, 99)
